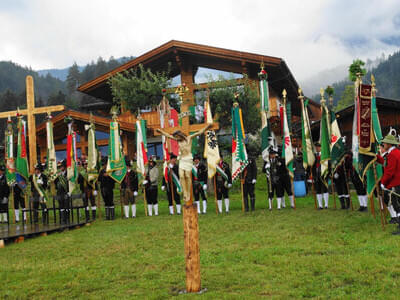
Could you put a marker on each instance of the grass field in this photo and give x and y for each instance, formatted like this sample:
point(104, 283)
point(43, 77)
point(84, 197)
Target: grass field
point(280, 254)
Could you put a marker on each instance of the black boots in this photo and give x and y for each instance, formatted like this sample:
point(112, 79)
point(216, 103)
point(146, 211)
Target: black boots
point(45, 217)
point(347, 202)
point(93, 214)
point(398, 228)
point(342, 202)
point(87, 215)
point(112, 213)
point(253, 203)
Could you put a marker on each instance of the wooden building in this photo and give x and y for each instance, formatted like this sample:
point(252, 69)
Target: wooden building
point(187, 61)
point(388, 112)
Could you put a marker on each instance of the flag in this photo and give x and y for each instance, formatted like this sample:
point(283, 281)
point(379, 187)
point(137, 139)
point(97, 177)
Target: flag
point(211, 149)
point(93, 164)
point(141, 147)
point(116, 166)
point(364, 143)
point(173, 122)
point(239, 154)
point(337, 145)
point(267, 136)
point(162, 108)
point(377, 133)
point(307, 145)
point(287, 150)
point(9, 153)
point(72, 170)
point(22, 168)
point(325, 142)
point(51, 170)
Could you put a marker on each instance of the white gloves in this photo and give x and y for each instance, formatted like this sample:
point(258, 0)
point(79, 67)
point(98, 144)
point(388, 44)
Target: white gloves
point(171, 166)
point(145, 182)
point(69, 194)
point(382, 186)
point(267, 166)
point(205, 187)
point(135, 193)
point(336, 176)
point(254, 181)
point(40, 181)
point(94, 193)
point(5, 199)
point(229, 185)
point(163, 187)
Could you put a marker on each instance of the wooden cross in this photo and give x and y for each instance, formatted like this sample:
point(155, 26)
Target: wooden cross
point(190, 217)
point(31, 111)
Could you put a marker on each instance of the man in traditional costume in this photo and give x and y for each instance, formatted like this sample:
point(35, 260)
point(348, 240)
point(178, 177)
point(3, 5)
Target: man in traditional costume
point(107, 191)
point(4, 193)
point(88, 189)
point(171, 185)
point(249, 177)
point(129, 188)
point(390, 181)
point(151, 184)
point(62, 191)
point(38, 188)
point(223, 178)
point(320, 187)
point(199, 179)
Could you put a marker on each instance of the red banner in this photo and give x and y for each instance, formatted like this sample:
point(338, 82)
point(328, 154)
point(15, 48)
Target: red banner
point(365, 118)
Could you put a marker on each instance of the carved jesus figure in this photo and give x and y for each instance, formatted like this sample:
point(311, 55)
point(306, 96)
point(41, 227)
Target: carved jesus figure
point(185, 157)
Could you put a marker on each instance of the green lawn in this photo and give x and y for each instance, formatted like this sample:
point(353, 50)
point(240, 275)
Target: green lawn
point(280, 254)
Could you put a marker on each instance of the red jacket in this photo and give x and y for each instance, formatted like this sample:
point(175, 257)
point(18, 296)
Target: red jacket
point(391, 172)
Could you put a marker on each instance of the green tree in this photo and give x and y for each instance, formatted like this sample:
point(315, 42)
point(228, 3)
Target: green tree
point(222, 93)
point(355, 68)
point(73, 78)
point(138, 88)
point(347, 98)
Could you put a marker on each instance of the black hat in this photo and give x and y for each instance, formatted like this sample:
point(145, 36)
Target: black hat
point(38, 166)
point(196, 156)
point(104, 160)
point(317, 144)
point(127, 162)
point(172, 155)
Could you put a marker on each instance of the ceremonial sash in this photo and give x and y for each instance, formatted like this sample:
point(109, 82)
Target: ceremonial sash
point(176, 181)
point(221, 172)
point(39, 188)
point(63, 181)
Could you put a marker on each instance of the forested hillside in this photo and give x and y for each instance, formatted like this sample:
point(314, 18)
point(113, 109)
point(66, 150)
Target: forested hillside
point(48, 89)
point(387, 76)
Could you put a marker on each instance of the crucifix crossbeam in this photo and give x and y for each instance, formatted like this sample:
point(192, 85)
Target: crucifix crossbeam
point(31, 111)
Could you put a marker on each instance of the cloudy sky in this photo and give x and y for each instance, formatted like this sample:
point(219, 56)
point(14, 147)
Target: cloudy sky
point(310, 35)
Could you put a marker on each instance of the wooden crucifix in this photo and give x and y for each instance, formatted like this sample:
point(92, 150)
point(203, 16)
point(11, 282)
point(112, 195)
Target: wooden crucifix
point(190, 217)
point(31, 111)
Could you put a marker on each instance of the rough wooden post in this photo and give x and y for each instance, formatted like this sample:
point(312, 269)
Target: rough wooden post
point(192, 252)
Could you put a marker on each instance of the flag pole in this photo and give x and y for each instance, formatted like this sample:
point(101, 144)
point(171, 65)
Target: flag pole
point(241, 191)
point(313, 190)
point(120, 203)
point(13, 204)
point(380, 199)
point(294, 198)
point(98, 204)
point(145, 201)
point(171, 190)
point(215, 195)
point(333, 192)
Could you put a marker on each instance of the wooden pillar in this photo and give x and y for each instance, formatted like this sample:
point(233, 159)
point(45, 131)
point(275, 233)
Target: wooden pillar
point(83, 140)
point(188, 100)
point(125, 143)
point(30, 103)
point(192, 252)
